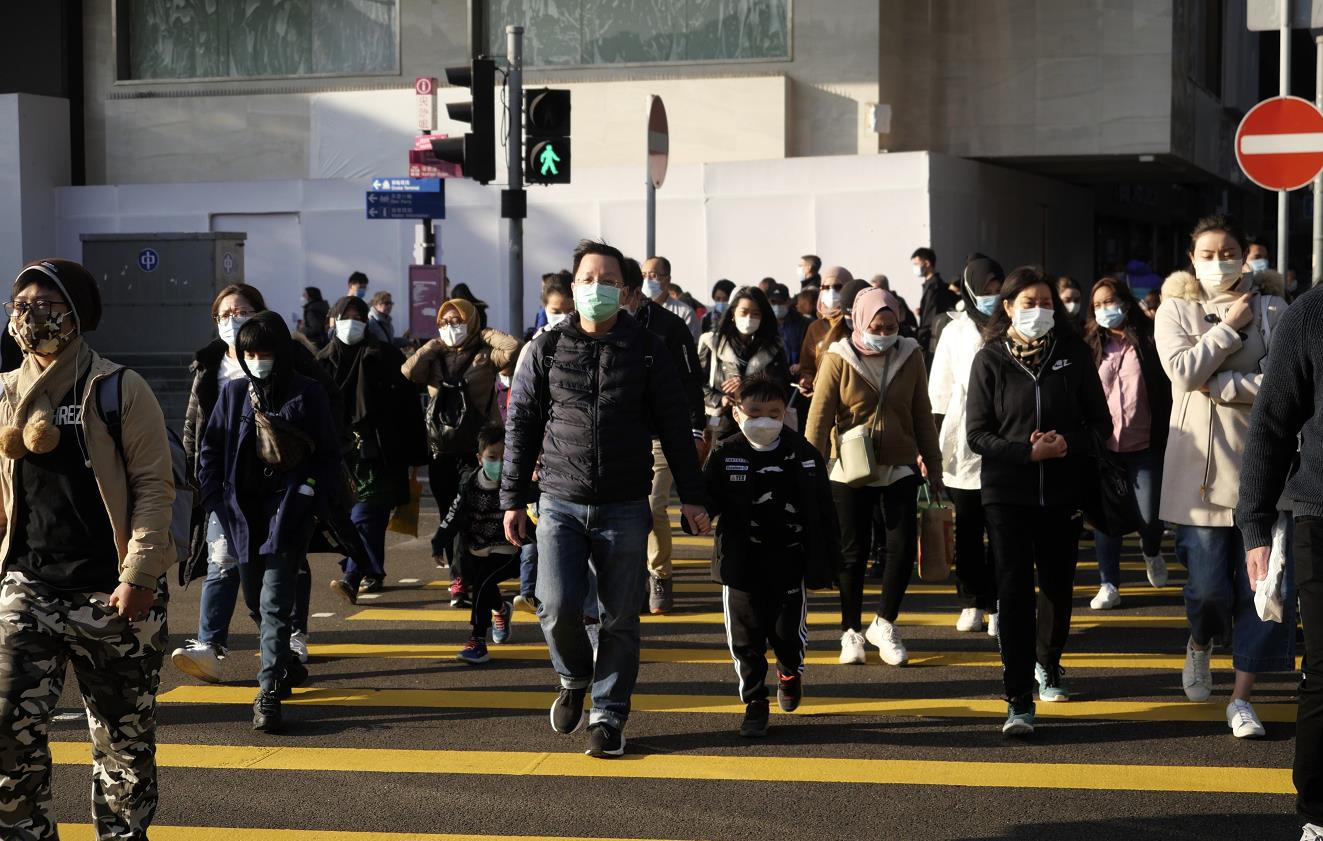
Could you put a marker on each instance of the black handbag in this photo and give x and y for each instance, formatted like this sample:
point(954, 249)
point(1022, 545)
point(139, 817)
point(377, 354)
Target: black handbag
point(1109, 501)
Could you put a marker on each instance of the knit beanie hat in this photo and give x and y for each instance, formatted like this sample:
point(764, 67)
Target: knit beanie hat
point(73, 281)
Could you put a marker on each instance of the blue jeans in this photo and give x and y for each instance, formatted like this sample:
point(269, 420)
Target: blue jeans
point(220, 590)
point(528, 581)
point(370, 521)
point(1219, 601)
point(577, 542)
point(1145, 469)
point(269, 584)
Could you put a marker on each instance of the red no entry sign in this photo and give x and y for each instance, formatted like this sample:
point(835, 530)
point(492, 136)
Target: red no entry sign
point(1279, 144)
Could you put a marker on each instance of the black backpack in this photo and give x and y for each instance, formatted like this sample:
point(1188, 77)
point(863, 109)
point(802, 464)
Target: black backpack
point(452, 423)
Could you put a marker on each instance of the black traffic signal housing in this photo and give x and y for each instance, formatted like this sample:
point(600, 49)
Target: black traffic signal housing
point(547, 136)
point(475, 152)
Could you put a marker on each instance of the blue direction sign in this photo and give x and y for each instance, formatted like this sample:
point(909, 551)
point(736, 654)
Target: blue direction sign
point(422, 203)
point(406, 185)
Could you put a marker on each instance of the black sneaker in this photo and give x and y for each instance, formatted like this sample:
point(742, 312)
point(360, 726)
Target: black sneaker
point(295, 675)
point(371, 585)
point(790, 692)
point(605, 740)
point(755, 719)
point(567, 710)
point(266, 713)
point(660, 599)
point(343, 589)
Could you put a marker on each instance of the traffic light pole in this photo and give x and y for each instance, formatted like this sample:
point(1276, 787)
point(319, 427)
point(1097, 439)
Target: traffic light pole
point(514, 206)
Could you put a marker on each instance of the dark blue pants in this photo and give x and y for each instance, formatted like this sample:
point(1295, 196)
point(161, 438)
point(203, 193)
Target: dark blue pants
point(370, 520)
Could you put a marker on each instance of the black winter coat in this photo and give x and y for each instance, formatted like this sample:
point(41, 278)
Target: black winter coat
point(588, 409)
point(729, 503)
point(672, 330)
point(934, 312)
point(1007, 403)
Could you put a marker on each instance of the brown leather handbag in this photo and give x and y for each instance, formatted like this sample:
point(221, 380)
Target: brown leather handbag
point(280, 444)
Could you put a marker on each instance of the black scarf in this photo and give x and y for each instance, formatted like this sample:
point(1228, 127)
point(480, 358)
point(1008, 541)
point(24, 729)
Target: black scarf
point(346, 363)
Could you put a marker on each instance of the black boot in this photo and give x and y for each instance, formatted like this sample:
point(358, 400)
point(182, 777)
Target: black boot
point(266, 713)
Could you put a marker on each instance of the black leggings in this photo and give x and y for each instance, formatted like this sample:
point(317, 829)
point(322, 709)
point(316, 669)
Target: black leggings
point(486, 575)
point(443, 480)
point(854, 507)
point(974, 564)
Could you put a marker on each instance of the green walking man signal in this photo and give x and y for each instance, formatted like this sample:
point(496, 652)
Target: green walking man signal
point(548, 160)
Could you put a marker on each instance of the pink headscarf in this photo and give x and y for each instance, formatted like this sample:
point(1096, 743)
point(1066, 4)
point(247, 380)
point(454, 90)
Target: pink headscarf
point(867, 304)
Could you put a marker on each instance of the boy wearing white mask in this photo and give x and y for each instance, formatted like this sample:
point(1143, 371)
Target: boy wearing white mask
point(776, 537)
point(1213, 332)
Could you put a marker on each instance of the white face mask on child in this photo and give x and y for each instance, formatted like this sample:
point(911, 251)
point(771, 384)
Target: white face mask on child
point(761, 432)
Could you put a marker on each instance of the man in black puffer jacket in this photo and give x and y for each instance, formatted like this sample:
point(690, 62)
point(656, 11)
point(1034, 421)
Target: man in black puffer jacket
point(591, 393)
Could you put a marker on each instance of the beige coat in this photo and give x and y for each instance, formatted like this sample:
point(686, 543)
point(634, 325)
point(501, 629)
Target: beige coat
point(138, 496)
point(1201, 471)
point(844, 397)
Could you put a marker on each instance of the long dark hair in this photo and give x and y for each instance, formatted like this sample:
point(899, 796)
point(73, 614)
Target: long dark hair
point(1018, 281)
point(767, 332)
point(1135, 326)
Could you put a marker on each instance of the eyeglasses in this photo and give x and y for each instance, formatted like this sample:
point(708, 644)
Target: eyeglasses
point(41, 309)
point(837, 286)
point(654, 275)
point(234, 314)
point(605, 281)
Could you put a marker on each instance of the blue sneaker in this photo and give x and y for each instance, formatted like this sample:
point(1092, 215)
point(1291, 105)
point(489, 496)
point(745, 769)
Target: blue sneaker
point(1051, 684)
point(474, 652)
point(1019, 719)
point(501, 624)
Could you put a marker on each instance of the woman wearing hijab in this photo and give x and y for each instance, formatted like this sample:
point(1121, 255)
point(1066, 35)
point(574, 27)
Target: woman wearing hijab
point(874, 384)
point(459, 369)
point(267, 506)
point(829, 311)
point(948, 390)
point(383, 435)
point(1035, 409)
point(746, 342)
point(213, 366)
point(315, 307)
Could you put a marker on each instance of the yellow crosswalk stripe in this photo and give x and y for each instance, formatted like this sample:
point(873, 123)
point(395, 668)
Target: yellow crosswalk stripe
point(916, 620)
point(876, 589)
point(683, 766)
point(693, 563)
point(719, 656)
point(226, 833)
point(1182, 711)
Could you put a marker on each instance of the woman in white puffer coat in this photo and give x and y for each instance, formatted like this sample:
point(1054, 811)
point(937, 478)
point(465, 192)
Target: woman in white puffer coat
point(947, 388)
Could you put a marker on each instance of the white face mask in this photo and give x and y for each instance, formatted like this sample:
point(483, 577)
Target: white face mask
point(228, 328)
point(830, 298)
point(259, 368)
point(453, 334)
point(350, 331)
point(1109, 318)
point(651, 287)
point(1217, 275)
point(747, 324)
point(1034, 323)
point(801, 272)
point(554, 318)
point(917, 269)
point(880, 344)
point(761, 432)
point(1072, 307)
point(780, 311)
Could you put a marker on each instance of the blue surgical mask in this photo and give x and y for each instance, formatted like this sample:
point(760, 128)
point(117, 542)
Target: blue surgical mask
point(719, 307)
point(491, 468)
point(652, 287)
point(780, 311)
point(228, 328)
point(360, 292)
point(1035, 322)
point(1258, 264)
point(260, 368)
point(880, 344)
point(596, 301)
point(985, 304)
point(1110, 317)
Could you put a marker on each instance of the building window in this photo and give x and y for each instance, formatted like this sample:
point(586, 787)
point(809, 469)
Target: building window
point(585, 32)
point(1207, 45)
point(230, 39)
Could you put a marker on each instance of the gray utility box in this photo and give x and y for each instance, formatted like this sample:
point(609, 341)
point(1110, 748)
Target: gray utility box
point(157, 291)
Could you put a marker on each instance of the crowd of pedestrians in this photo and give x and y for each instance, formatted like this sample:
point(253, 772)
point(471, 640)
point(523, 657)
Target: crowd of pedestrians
point(800, 423)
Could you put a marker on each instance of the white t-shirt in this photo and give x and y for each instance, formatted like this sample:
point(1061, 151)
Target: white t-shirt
point(229, 369)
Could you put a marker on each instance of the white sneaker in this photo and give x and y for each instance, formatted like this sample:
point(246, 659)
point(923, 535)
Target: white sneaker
point(1243, 722)
point(199, 660)
point(971, 620)
point(298, 645)
point(852, 648)
point(1157, 569)
point(1312, 832)
point(884, 635)
point(1108, 597)
point(994, 626)
point(1197, 676)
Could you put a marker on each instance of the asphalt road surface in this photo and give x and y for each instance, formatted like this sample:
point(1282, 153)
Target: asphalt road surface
point(393, 739)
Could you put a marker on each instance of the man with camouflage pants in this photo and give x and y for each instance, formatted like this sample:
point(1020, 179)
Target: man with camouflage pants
point(86, 518)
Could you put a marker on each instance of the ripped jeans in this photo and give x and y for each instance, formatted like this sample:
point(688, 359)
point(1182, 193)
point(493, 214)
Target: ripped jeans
point(220, 590)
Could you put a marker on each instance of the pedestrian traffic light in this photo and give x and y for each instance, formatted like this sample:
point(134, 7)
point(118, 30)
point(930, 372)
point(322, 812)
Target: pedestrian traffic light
point(547, 136)
point(475, 152)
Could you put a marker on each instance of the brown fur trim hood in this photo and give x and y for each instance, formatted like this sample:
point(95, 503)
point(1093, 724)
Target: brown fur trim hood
point(1185, 285)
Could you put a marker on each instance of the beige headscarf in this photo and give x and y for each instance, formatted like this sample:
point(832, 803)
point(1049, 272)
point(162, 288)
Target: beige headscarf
point(32, 428)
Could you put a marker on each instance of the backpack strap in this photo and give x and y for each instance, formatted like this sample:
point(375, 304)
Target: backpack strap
point(110, 406)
